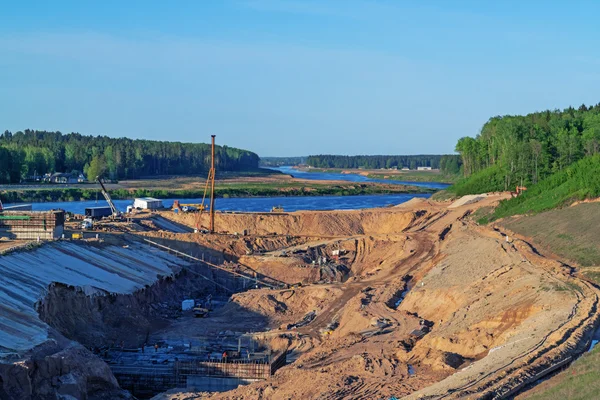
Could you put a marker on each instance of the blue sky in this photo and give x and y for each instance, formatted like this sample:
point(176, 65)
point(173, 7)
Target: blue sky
point(292, 77)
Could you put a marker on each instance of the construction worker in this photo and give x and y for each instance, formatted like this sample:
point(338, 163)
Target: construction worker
point(156, 348)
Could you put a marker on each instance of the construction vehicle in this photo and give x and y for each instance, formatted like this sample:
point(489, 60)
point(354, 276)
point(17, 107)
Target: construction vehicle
point(116, 214)
point(200, 312)
point(277, 209)
point(87, 224)
point(200, 208)
point(518, 191)
point(187, 207)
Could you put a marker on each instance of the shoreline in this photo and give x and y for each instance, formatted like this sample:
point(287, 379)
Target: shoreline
point(71, 195)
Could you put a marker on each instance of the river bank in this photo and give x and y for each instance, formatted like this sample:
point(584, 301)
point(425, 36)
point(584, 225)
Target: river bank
point(233, 190)
point(389, 174)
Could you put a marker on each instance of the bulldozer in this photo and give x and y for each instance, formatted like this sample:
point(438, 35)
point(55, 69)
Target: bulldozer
point(200, 312)
point(277, 209)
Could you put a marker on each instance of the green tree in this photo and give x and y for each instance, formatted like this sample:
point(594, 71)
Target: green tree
point(97, 167)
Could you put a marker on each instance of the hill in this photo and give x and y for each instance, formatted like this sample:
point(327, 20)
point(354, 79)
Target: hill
point(523, 150)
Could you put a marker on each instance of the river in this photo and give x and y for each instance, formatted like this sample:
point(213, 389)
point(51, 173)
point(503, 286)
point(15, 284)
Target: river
point(293, 203)
point(329, 176)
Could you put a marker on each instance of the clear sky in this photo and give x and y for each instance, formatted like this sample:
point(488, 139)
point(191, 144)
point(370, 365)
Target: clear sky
point(293, 77)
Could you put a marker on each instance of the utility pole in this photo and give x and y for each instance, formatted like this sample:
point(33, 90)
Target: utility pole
point(212, 187)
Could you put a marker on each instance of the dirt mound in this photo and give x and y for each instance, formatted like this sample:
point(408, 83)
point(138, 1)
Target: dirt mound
point(307, 223)
point(51, 373)
point(286, 306)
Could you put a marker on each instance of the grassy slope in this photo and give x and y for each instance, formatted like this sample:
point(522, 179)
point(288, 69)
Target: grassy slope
point(577, 182)
point(570, 232)
point(573, 233)
point(581, 381)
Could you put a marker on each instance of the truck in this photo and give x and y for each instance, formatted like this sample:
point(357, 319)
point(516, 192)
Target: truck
point(96, 213)
point(87, 224)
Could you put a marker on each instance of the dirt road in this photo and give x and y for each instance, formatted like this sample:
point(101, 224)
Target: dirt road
point(434, 306)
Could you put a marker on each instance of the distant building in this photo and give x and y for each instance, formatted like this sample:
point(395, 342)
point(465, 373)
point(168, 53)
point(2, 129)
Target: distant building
point(147, 203)
point(423, 168)
point(61, 177)
point(64, 177)
point(405, 169)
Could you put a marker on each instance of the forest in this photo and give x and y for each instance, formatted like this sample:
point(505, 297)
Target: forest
point(281, 161)
point(30, 153)
point(450, 164)
point(523, 150)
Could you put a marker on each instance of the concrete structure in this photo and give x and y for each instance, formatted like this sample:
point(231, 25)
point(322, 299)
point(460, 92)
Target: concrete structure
point(147, 203)
point(145, 375)
point(45, 225)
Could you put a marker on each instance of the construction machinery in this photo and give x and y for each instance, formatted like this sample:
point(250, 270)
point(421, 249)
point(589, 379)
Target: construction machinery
point(116, 214)
point(277, 209)
point(200, 312)
point(192, 207)
point(200, 208)
point(518, 191)
point(87, 224)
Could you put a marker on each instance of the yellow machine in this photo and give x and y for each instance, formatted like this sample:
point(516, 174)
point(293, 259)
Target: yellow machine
point(200, 312)
point(209, 188)
point(277, 209)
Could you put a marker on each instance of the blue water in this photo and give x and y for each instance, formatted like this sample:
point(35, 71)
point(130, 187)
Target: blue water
point(254, 203)
point(353, 178)
point(266, 203)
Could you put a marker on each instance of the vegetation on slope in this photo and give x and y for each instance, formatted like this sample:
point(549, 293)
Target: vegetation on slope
point(29, 153)
point(580, 381)
point(571, 232)
point(577, 182)
point(523, 150)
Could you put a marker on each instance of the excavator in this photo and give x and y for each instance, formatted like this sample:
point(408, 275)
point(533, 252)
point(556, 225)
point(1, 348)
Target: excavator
point(518, 191)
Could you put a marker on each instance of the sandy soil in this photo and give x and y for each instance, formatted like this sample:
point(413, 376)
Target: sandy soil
point(432, 305)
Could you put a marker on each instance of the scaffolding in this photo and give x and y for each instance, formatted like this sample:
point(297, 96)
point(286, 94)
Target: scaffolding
point(32, 225)
point(196, 374)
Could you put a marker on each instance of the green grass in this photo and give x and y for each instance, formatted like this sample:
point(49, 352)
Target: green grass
point(581, 381)
point(572, 232)
point(577, 182)
point(488, 180)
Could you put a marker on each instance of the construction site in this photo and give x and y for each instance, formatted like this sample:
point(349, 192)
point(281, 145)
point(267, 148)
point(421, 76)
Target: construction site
point(414, 301)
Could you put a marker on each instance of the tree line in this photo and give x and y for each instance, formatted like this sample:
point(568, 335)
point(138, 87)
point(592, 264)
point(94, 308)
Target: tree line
point(281, 161)
point(29, 153)
point(450, 164)
point(520, 150)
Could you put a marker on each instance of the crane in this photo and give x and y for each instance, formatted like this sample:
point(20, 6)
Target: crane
point(115, 213)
